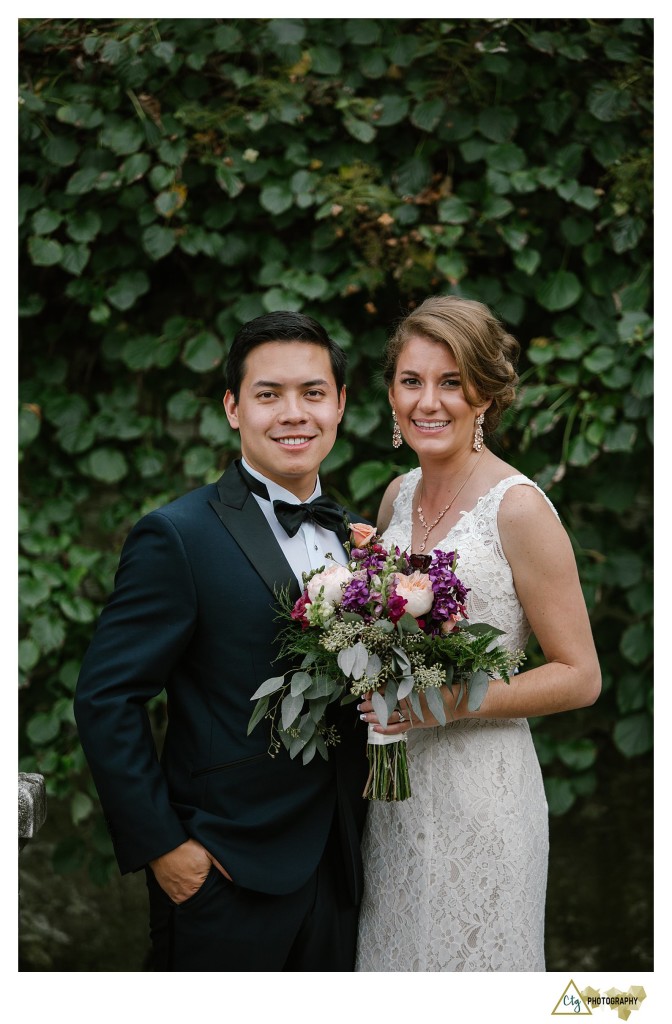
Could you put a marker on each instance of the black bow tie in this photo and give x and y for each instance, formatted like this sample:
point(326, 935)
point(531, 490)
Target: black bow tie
point(322, 511)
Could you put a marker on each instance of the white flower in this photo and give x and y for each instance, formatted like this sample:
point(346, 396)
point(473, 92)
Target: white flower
point(417, 590)
point(333, 580)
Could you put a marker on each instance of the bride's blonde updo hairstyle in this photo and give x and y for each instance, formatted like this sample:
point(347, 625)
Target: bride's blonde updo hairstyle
point(485, 353)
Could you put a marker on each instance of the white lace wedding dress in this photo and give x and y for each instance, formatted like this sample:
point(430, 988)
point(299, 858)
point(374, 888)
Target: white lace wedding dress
point(455, 876)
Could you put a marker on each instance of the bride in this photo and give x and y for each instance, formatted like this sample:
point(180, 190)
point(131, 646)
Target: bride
point(455, 877)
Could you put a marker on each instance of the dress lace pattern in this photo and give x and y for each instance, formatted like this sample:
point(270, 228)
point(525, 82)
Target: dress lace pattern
point(455, 877)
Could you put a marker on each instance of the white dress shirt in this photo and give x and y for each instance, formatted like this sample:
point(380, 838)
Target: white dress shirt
point(313, 546)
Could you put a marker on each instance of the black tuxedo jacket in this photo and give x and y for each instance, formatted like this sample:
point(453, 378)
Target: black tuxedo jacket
point(193, 612)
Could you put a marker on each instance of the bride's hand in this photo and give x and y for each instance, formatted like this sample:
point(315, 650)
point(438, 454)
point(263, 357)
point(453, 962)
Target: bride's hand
point(396, 724)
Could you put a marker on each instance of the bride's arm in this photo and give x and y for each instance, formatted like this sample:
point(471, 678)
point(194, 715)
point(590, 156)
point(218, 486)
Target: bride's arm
point(386, 505)
point(547, 582)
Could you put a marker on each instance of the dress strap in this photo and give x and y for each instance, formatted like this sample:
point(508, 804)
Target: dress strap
point(500, 489)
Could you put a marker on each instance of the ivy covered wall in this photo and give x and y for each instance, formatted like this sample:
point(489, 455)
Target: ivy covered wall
point(178, 177)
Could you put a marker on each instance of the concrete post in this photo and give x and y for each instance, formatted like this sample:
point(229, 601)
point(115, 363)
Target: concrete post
point(32, 806)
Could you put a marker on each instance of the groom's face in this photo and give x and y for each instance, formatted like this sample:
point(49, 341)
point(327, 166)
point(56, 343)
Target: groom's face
point(287, 412)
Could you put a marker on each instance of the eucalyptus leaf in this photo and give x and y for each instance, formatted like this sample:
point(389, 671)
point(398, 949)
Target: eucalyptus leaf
point(405, 687)
point(291, 708)
point(258, 714)
point(300, 681)
point(380, 708)
point(435, 704)
point(269, 686)
point(478, 688)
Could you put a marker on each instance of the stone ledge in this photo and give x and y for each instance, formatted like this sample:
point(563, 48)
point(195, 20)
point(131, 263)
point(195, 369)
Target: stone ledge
point(32, 805)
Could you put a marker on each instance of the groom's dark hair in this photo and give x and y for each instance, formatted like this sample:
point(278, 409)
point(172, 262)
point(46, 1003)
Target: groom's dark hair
point(283, 325)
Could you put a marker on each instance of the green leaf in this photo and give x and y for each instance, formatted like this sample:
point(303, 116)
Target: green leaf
point(428, 114)
point(44, 252)
point(286, 31)
point(43, 728)
point(435, 704)
point(452, 265)
point(29, 654)
point(368, 477)
point(81, 115)
point(229, 181)
point(453, 211)
point(634, 735)
point(578, 754)
point(269, 686)
point(506, 157)
point(32, 592)
point(29, 425)
point(164, 51)
point(626, 233)
point(325, 60)
point(198, 461)
point(636, 643)
point(601, 358)
point(477, 689)
point(47, 632)
point(497, 123)
point(581, 452)
point(45, 221)
point(620, 438)
point(106, 464)
point(61, 151)
point(393, 109)
point(203, 352)
point(158, 241)
point(300, 681)
point(559, 794)
point(83, 227)
point(82, 181)
point(81, 807)
point(607, 102)
point(291, 709)
point(360, 130)
point(77, 609)
point(527, 260)
point(128, 289)
point(74, 258)
point(214, 426)
point(258, 714)
point(276, 198)
point(123, 139)
point(559, 291)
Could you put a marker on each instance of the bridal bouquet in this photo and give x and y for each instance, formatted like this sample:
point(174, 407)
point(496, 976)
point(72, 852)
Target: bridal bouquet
point(389, 624)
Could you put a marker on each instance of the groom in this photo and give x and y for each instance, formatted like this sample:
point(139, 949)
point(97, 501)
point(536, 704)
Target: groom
point(252, 862)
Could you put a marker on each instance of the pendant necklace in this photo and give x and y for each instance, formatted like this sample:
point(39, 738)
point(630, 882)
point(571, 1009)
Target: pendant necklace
point(428, 529)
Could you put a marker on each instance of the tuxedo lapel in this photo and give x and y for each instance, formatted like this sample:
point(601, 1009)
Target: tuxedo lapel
point(238, 510)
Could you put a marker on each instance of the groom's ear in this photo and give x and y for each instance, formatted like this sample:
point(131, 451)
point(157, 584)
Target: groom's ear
point(231, 409)
point(341, 403)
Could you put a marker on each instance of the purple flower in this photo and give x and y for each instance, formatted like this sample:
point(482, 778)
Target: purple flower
point(355, 596)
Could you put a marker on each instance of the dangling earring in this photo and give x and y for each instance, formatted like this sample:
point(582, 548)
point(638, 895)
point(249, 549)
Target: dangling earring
point(478, 433)
point(397, 439)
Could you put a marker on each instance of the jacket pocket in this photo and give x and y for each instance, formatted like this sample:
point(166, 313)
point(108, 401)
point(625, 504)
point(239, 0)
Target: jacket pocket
point(228, 764)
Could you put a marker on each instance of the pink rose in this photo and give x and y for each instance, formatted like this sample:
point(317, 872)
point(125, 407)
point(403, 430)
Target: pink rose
point(362, 534)
point(416, 591)
point(333, 579)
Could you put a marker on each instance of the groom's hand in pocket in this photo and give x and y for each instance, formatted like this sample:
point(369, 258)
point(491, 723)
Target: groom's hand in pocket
point(181, 872)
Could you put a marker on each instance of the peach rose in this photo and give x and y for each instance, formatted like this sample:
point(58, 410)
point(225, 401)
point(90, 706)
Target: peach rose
point(416, 590)
point(362, 534)
point(333, 580)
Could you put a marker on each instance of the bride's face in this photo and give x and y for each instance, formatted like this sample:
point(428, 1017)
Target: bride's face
point(434, 415)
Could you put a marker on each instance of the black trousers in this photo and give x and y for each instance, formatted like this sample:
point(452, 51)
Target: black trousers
point(224, 927)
